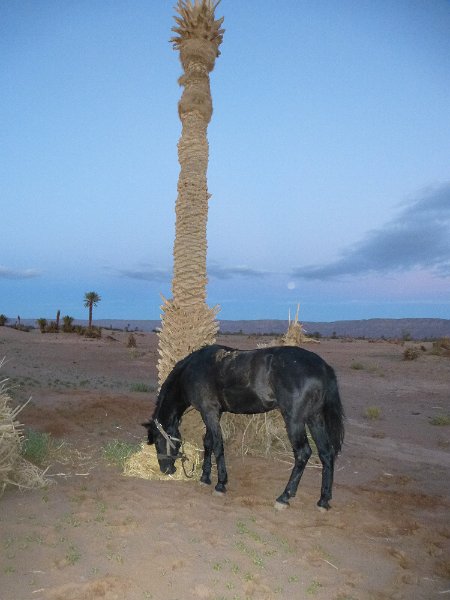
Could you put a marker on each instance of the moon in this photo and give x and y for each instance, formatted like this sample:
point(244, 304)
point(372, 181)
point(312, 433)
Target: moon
point(291, 285)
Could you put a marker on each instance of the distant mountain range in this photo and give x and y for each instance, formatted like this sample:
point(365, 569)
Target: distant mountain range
point(367, 328)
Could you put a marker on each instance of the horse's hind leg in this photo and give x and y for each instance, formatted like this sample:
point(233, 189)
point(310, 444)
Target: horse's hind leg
point(214, 441)
point(208, 448)
point(326, 455)
point(302, 452)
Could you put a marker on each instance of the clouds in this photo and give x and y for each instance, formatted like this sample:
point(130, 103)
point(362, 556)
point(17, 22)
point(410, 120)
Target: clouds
point(418, 238)
point(219, 272)
point(146, 273)
point(6, 273)
point(215, 271)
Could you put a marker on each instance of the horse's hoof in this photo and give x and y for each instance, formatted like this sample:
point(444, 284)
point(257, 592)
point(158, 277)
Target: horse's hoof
point(281, 505)
point(322, 509)
point(205, 483)
point(218, 494)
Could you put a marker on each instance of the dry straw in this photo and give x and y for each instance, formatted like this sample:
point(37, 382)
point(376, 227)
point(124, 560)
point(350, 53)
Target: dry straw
point(14, 469)
point(144, 464)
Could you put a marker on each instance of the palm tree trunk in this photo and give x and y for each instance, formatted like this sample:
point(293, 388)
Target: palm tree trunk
point(187, 322)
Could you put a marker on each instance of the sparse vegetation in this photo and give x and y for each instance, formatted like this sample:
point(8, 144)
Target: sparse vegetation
point(441, 347)
point(141, 387)
point(372, 413)
point(357, 366)
point(42, 324)
point(440, 420)
point(37, 446)
point(67, 324)
point(131, 341)
point(117, 452)
point(411, 353)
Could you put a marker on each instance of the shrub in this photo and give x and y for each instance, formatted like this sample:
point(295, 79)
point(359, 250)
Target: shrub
point(441, 420)
point(3, 320)
point(441, 347)
point(411, 353)
point(68, 324)
point(131, 342)
point(42, 323)
point(357, 366)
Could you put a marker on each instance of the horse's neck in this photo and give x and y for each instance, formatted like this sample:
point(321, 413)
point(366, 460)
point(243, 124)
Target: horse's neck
point(169, 413)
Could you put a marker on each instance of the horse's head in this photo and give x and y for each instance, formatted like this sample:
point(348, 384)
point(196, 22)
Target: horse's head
point(167, 444)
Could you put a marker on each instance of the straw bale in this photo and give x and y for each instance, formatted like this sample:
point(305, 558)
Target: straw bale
point(144, 464)
point(14, 469)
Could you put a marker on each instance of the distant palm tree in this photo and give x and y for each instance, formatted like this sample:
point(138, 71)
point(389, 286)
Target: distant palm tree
point(91, 299)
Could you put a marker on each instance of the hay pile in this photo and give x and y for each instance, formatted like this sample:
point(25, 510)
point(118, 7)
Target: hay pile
point(14, 469)
point(295, 334)
point(144, 464)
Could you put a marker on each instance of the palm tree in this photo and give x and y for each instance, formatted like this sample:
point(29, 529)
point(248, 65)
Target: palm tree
point(187, 322)
point(91, 299)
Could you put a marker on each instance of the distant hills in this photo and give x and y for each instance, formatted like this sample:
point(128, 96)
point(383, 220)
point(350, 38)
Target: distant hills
point(418, 329)
point(368, 328)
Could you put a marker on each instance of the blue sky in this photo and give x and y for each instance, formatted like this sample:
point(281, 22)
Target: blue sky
point(329, 158)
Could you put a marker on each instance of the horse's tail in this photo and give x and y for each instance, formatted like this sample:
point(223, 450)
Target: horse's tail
point(334, 414)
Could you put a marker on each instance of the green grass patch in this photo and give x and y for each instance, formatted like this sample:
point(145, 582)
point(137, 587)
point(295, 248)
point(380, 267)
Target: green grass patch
point(117, 452)
point(37, 446)
point(141, 387)
point(440, 420)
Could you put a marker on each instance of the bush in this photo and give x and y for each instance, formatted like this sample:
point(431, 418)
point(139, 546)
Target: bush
point(131, 342)
point(411, 353)
point(42, 323)
point(441, 347)
point(3, 320)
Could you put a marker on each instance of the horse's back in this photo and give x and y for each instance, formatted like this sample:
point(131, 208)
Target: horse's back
point(251, 381)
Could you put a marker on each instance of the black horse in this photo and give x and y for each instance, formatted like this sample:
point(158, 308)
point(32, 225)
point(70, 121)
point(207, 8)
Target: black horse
point(217, 379)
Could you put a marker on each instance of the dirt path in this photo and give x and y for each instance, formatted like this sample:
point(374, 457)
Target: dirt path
point(97, 534)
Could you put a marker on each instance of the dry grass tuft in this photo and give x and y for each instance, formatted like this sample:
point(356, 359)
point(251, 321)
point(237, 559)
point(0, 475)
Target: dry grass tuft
point(14, 469)
point(441, 347)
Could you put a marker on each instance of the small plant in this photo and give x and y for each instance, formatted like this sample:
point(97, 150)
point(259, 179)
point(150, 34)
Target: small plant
point(313, 587)
point(37, 446)
point(140, 387)
point(92, 332)
point(117, 452)
point(411, 353)
point(440, 420)
point(373, 413)
point(42, 324)
point(131, 342)
point(73, 555)
point(68, 324)
point(357, 366)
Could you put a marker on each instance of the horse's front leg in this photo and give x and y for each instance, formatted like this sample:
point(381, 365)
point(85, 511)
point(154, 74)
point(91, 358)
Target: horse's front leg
point(302, 453)
point(214, 440)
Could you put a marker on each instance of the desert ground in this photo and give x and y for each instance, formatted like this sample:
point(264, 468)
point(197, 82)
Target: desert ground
point(95, 533)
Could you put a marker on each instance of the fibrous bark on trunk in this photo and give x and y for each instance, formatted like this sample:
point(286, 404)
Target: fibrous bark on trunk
point(187, 322)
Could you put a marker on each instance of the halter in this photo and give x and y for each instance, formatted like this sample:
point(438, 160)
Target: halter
point(170, 444)
point(169, 439)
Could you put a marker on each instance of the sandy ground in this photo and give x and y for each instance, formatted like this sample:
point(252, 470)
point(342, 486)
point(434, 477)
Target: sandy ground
point(97, 534)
